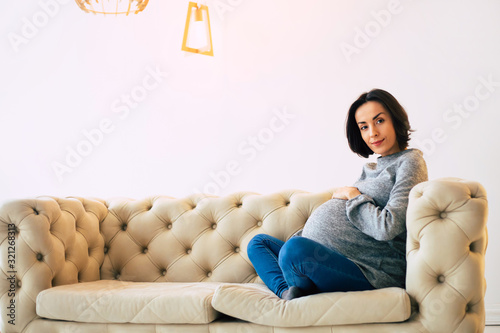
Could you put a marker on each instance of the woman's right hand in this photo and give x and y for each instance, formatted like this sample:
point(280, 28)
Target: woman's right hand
point(345, 193)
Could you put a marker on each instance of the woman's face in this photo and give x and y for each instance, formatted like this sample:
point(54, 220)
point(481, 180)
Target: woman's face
point(377, 130)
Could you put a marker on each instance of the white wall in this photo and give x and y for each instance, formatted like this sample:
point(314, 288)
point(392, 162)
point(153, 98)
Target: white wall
point(69, 75)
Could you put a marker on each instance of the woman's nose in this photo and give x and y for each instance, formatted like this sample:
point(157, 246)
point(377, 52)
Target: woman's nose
point(373, 132)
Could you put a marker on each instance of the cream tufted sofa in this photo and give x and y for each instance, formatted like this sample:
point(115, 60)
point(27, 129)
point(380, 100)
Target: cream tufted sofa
point(179, 265)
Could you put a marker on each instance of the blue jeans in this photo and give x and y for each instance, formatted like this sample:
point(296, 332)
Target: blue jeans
point(303, 263)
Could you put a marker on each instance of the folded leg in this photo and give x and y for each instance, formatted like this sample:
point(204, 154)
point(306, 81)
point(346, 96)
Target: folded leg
point(263, 251)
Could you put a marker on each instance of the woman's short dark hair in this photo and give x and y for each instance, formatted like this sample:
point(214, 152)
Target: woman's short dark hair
point(391, 105)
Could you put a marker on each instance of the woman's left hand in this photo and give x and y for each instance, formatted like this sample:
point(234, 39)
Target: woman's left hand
point(345, 193)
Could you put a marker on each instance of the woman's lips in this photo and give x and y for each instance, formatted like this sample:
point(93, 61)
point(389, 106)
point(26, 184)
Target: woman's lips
point(377, 143)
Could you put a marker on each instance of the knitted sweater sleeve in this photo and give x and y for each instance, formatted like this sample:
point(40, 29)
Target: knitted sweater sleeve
point(385, 223)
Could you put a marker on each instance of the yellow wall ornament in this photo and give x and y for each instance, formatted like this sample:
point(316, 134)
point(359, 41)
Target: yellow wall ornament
point(197, 33)
point(112, 6)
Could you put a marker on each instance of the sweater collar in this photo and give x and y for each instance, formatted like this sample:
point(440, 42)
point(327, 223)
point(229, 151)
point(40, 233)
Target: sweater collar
point(384, 160)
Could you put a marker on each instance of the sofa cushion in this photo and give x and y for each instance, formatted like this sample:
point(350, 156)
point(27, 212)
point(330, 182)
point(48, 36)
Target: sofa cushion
point(257, 304)
point(111, 301)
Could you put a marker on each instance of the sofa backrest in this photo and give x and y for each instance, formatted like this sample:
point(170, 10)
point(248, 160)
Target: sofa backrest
point(197, 238)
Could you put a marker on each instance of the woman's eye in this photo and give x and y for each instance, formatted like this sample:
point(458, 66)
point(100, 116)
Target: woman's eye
point(379, 121)
point(363, 127)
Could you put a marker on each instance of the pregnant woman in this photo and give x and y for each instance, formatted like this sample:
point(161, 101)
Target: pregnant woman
point(356, 240)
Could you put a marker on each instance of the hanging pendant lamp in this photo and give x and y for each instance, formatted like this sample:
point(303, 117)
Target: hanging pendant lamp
point(112, 6)
point(197, 33)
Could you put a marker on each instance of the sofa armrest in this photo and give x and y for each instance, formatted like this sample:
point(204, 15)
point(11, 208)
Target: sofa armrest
point(446, 245)
point(46, 242)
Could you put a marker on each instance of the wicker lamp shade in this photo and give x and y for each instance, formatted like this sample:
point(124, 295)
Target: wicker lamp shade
point(112, 6)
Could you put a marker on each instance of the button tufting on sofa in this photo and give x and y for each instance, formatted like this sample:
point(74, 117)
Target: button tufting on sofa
point(145, 250)
point(39, 256)
point(19, 283)
point(239, 204)
point(214, 225)
point(475, 247)
point(76, 234)
point(465, 227)
point(124, 226)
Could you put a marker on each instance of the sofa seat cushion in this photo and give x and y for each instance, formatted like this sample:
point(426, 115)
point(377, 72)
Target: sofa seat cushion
point(112, 301)
point(257, 304)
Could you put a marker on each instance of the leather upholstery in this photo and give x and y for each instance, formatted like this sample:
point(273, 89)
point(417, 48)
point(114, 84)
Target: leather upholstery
point(223, 325)
point(57, 241)
point(197, 238)
point(257, 304)
point(446, 246)
point(63, 241)
point(109, 301)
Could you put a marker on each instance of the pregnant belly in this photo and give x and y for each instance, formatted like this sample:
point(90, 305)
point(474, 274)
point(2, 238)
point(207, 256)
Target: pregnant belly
point(327, 220)
point(329, 225)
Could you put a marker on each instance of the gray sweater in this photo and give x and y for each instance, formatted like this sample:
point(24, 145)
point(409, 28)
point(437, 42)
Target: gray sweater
point(370, 229)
